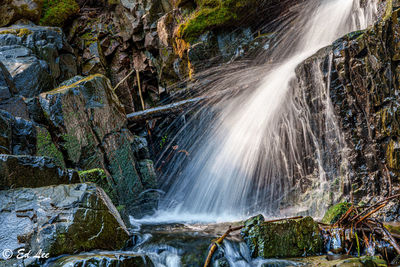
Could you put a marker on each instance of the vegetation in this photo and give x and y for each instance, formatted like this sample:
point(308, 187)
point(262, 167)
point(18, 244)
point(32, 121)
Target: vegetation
point(335, 212)
point(57, 12)
point(212, 14)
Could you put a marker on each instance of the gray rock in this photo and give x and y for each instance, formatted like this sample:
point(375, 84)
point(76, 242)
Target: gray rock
point(31, 171)
point(62, 219)
point(12, 10)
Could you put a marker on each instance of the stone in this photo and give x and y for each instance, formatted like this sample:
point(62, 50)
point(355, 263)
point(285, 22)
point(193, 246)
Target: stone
point(7, 86)
point(16, 106)
point(30, 74)
point(31, 171)
point(283, 239)
point(100, 178)
point(37, 57)
point(63, 219)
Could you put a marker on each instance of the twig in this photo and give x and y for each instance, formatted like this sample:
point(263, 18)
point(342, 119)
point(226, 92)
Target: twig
point(123, 80)
point(140, 89)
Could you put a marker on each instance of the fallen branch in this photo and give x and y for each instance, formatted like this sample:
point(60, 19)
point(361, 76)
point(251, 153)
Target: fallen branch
point(152, 113)
point(219, 242)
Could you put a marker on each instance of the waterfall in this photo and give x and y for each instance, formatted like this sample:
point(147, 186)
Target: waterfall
point(264, 150)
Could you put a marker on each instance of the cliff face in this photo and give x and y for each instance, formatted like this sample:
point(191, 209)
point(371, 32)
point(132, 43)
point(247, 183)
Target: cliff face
point(361, 71)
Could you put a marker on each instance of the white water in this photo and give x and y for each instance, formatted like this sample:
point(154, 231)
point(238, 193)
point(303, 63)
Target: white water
point(250, 157)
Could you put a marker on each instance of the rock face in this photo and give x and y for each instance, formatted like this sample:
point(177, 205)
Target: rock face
point(62, 219)
point(29, 171)
point(363, 75)
point(284, 239)
point(90, 124)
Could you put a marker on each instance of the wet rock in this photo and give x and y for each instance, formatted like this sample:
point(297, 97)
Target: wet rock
point(64, 219)
point(7, 86)
point(24, 137)
point(90, 124)
point(100, 178)
point(32, 56)
point(106, 259)
point(13, 10)
point(288, 238)
point(325, 261)
point(31, 171)
point(16, 106)
point(30, 75)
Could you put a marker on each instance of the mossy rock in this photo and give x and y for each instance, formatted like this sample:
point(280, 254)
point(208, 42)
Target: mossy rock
point(100, 178)
point(287, 238)
point(57, 12)
point(335, 212)
point(212, 14)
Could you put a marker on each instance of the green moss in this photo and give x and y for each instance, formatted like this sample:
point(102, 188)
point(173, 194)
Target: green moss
point(46, 147)
point(99, 177)
point(56, 12)
point(213, 14)
point(335, 212)
point(19, 32)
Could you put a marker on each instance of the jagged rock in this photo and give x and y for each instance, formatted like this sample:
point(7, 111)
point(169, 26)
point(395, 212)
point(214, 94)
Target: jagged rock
point(64, 219)
point(24, 137)
point(7, 87)
point(121, 259)
point(16, 106)
point(32, 56)
point(13, 10)
point(90, 124)
point(283, 239)
point(31, 171)
point(30, 74)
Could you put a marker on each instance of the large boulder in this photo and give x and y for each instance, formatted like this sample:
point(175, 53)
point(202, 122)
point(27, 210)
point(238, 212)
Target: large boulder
point(31, 171)
point(32, 56)
point(91, 126)
point(64, 219)
point(283, 239)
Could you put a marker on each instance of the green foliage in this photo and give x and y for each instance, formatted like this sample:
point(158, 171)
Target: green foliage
point(213, 14)
point(56, 12)
point(335, 212)
point(163, 141)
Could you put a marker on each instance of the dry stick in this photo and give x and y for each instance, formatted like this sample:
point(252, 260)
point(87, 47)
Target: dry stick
point(390, 238)
point(347, 214)
point(371, 212)
point(140, 89)
point(123, 80)
point(230, 230)
point(375, 205)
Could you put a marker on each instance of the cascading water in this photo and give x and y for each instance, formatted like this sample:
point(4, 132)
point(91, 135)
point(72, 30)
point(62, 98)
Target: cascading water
point(262, 148)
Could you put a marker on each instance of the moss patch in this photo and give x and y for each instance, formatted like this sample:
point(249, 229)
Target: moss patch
point(335, 212)
point(19, 32)
point(212, 14)
point(56, 12)
point(46, 147)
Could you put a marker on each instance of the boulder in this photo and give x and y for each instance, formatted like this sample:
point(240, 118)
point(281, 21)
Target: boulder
point(31, 171)
point(283, 239)
point(63, 219)
point(90, 124)
point(7, 87)
point(121, 259)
